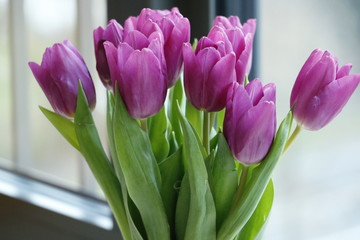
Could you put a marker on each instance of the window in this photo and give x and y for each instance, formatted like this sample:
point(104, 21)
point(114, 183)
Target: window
point(316, 193)
point(316, 182)
point(31, 145)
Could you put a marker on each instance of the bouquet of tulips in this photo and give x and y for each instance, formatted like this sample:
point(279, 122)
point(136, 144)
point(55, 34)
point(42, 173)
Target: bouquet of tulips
point(193, 143)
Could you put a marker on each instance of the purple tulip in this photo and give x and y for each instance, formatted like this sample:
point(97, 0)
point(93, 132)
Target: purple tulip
point(250, 121)
point(176, 31)
point(58, 75)
point(321, 90)
point(241, 38)
point(114, 34)
point(209, 71)
point(138, 66)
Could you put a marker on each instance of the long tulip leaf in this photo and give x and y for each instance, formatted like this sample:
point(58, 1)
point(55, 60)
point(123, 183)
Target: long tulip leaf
point(157, 126)
point(176, 95)
point(172, 171)
point(135, 234)
point(201, 222)
point(253, 191)
point(254, 228)
point(225, 179)
point(65, 126)
point(92, 150)
point(141, 172)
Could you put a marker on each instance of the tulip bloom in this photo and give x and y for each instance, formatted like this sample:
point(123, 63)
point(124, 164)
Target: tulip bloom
point(137, 64)
point(114, 34)
point(250, 121)
point(241, 38)
point(176, 31)
point(61, 69)
point(321, 90)
point(209, 71)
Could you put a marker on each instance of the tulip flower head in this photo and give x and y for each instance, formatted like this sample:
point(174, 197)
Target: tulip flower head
point(176, 32)
point(61, 69)
point(321, 90)
point(250, 121)
point(241, 38)
point(114, 34)
point(138, 65)
point(209, 71)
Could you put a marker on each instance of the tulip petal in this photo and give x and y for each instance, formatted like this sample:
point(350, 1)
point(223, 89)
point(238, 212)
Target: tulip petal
point(113, 32)
point(142, 84)
point(269, 93)
point(322, 73)
point(301, 81)
point(249, 27)
point(111, 56)
point(179, 34)
point(330, 101)
point(243, 65)
point(254, 133)
point(255, 91)
point(193, 77)
point(344, 71)
point(238, 102)
point(50, 89)
point(136, 40)
point(220, 79)
point(237, 39)
point(130, 25)
point(207, 58)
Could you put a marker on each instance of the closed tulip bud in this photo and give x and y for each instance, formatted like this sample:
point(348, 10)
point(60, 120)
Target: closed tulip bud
point(209, 71)
point(321, 90)
point(250, 121)
point(61, 69)
point(241, 38)
point(176, 31)
point(137, 64)
point(114, 34)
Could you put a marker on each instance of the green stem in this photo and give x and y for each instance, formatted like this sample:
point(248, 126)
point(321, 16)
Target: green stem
point(143, 124)
point(212, 120)
point(206, 131)
point(292, 138)
point(240, 189)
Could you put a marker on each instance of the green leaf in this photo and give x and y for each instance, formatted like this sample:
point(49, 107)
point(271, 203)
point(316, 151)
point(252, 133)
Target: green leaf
point(220, 118)
point(253, 191)
point(92, 150)
point(157, 126)
point(202, 214)
point(141, 172)
point(195, 117)
point(135, 234)
point(172, 171)
point(176, 95)
point(182, 208)
point(63, 125)
point(225, 179)
point(254, 228)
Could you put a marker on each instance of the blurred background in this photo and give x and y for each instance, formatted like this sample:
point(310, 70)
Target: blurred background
point(316, 183)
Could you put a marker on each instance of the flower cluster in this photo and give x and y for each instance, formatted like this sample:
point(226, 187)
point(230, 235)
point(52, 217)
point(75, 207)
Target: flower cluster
point(155, 146)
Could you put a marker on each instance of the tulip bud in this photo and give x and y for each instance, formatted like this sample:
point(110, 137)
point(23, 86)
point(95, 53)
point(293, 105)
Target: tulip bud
point(114, 34)
point(137, 64)
point(241, 38)
point(61, 69)
point(321, 90)
point(250, 121)
point(209, 71)
point(176, 31)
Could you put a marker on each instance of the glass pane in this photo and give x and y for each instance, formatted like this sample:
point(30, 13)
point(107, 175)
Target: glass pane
point(52, 157)
point(5, 88)
point(316, 183)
